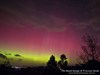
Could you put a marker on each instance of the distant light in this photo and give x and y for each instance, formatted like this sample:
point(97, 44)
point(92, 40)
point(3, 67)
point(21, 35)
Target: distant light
point(16, 67)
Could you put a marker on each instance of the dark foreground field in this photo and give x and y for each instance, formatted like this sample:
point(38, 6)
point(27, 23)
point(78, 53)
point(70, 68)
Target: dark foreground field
point(48, 71)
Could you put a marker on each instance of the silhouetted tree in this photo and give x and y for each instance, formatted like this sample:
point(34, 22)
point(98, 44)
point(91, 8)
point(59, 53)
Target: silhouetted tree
point(7, 63)
point(2, 56)
point(52, 63)
point(62, 64)
point(90, 49)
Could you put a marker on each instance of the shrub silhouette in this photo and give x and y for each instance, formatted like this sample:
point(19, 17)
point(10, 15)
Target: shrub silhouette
point(62, 64)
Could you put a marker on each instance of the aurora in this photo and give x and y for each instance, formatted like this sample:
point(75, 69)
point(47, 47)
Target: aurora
point(31, 31)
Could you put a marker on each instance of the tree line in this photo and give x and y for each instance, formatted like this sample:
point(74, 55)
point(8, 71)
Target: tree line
point(89, 57)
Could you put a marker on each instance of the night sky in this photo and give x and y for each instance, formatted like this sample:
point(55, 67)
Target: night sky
point(36, 29)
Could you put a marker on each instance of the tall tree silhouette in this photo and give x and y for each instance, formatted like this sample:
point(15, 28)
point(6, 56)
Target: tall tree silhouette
point(62, 64)
point(52, 63)
point(90, 49)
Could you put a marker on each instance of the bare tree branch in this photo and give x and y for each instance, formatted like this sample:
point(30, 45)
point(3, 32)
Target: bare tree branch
point(90, 49)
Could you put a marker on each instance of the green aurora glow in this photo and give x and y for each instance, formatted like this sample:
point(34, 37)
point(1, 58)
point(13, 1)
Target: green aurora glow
point(25, 59)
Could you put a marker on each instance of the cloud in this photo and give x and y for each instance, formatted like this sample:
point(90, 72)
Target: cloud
point(17, 55)
point(40, 16)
